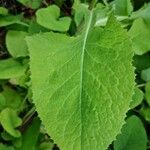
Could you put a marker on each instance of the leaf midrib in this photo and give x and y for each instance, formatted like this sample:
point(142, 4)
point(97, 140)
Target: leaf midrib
point(82, 64)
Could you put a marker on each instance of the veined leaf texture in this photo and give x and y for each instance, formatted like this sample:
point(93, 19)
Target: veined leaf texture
point(82, 86)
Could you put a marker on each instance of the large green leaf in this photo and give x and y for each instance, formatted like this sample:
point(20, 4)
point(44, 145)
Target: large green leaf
point(133, 136)
point(82, 86)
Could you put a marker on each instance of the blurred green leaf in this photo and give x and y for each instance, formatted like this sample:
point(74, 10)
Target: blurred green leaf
point(59, 2)
point(23, 81)
point(141, 62)
point(140, 35)
point(30, 136)
point(81, 12)
point(133, 136)
point(143, 13)
point(52, 20)
point(34, 27)
point(9, 120)
point(12, 98)
point(6, 136)
point(145, 112)
point(5, 147)
point(10, 19)
point(16, 44)
point(15, 141)
point(145, 74)
point(3, 11)
point(123, 7)
point(147, 92)
point(34, 4)
point(137, 98)
point(2, 101)
point(10, 68)
point(46, 146)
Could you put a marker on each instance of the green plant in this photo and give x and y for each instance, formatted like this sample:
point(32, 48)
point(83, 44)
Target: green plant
point(74, 69)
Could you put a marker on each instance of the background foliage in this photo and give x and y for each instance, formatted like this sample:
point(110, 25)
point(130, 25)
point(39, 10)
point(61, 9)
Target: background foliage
point(20, 127)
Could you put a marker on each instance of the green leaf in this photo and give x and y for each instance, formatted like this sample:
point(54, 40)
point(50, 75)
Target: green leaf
point(36, 28)
point(5, 147)
point(12, 98)
point(2, 101)
point(137, 98)
point(147, 92)
point(17, 142)
point(16, 44)
point(82, 86)
point(123, 7)
point(52, 20)
point(9, 120)
point(140, 35)
point(30, 136)
point(46, 146)
point(145, 74)
point(141, 62)
point(9, 20)
point(6, 136)
point(3, 11)
point(59, 2)
point(80, 12)
point(133, 136)
point(143, 13)
point(34, 4)
point(145, 112)
point(11, 68)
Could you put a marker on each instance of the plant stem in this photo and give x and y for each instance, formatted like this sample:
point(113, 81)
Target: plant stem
point(105, 2)
point(92, 4)
point(141, 85)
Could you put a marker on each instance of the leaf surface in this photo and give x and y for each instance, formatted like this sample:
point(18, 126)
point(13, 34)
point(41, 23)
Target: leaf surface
point(147, 92)
point(145, 74)
point(52, 20)
point(9, 120)
point(123, 7)
point(34, 4)
point(3, 11)
point(5, 147)
point(30, 136)
point(137, 98)
point(12, 98)
point(10, 68)
point(140, 35)
point(10, 19)
point(82, 86)
point(16, 44)
point(133, 136)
